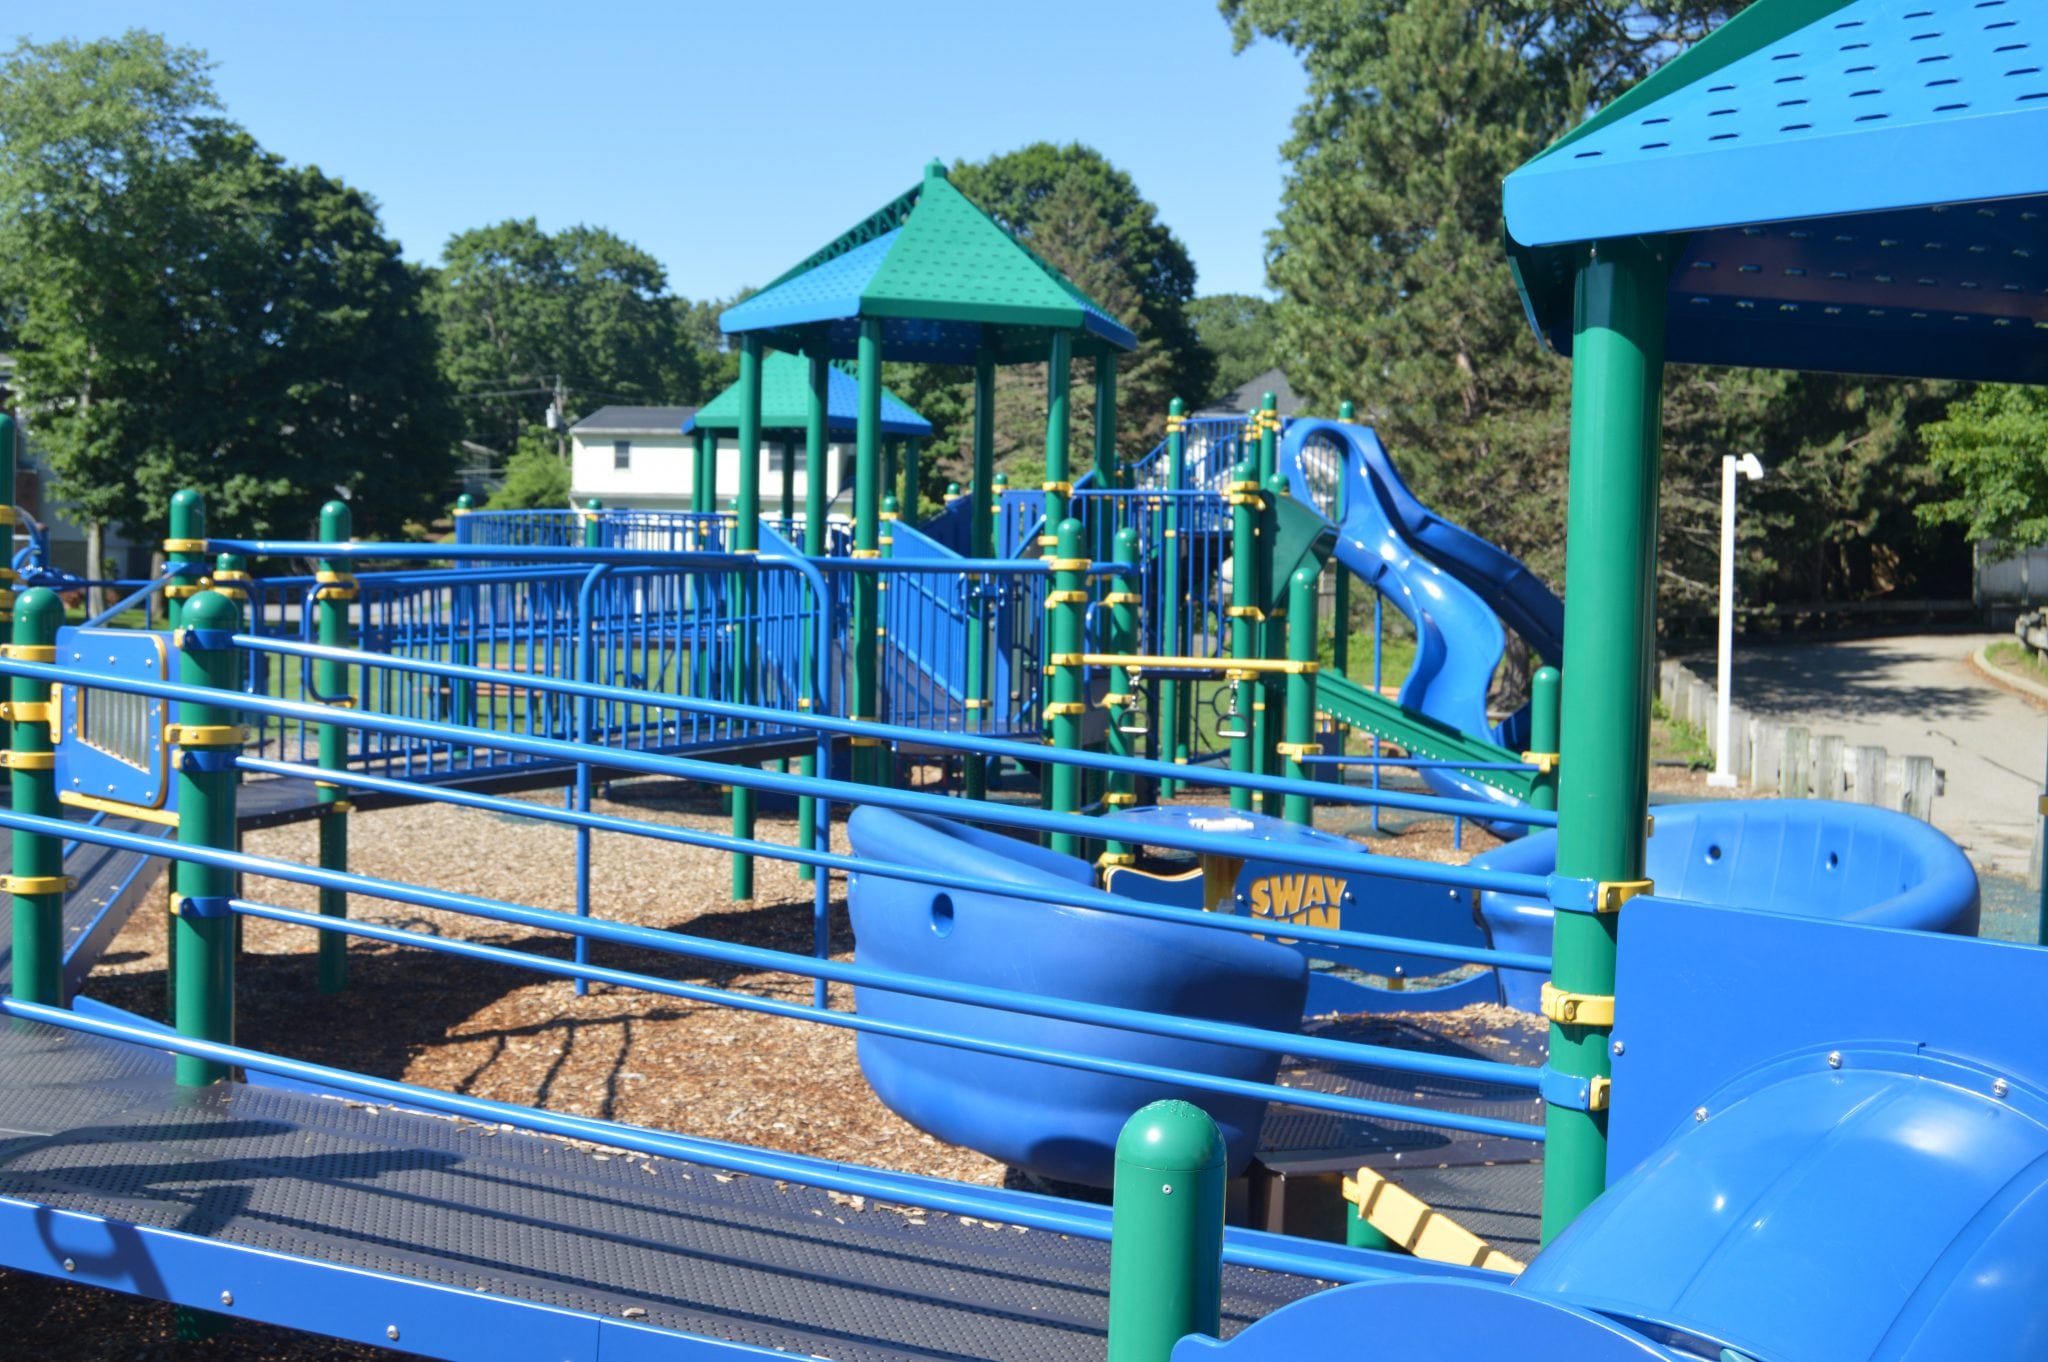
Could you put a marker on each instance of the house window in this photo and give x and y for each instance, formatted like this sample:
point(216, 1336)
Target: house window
point(622, 455)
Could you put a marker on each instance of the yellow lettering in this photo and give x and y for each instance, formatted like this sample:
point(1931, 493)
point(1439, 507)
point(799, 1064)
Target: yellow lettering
point(1287, 895)
point(1333, 893)
point(1262, 903)
point(1312, 892)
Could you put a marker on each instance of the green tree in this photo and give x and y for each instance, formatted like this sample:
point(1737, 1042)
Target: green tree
point(190, 311)
point(535, 479)
point(524, 311)
point(1242, 332)
point(1993, 446)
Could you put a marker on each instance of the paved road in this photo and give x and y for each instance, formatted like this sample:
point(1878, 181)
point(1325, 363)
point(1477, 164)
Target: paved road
point(1917, 696)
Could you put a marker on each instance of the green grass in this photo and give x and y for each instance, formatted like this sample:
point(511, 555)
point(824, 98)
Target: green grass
point(1673, 739)
point(2016, 657)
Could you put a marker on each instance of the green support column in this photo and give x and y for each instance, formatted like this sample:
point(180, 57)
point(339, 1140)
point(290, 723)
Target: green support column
point(747, 539)
point(1106, 464)
point(867, 538)
point(704, 474)
point(1269, 436)
point(593, 524)
point(1122, 599)
point(1603, 790)
point(909, 499)
point(9, 582)
point(330, 618)
point(37, 882)
point(1244, 592)
point(1166, 1232)
point(981, 532)
point(206, 752)
point(788, 479)
point(1169, 694)
point(1543, 723)
point(817, 398)
point(1273, 637)
point(1066, 609)
point(1059, 483)
point(184, 544)
point(1340, 611)
point(1301, 689)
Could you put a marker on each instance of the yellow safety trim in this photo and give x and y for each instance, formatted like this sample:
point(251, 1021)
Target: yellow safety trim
point(38, 884)
point(1071, 564)
point(1120, 798)
point(891, 515)
point(15, 760)
point(1061, 488)
point(458, 512)
point(184, 546)
point(205, 735)
point(1544, 762)
point(1577, 1009)
point(1609, 895)
point(1053, 598)
point(26, 711)
point(1419, 1228)
point(337, 593)
point(867, 553)
point(1175, 423)
point(1065, 707)
point(1298, 749)
point(75, 799)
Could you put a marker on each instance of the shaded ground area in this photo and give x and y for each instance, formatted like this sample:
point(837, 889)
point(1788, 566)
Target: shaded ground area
point(1917, 695)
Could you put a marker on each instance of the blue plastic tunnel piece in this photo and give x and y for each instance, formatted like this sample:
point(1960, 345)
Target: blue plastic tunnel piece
point(1051, 1121)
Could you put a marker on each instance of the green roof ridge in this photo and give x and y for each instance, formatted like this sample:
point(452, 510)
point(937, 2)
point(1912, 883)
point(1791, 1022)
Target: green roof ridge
point(881, 222)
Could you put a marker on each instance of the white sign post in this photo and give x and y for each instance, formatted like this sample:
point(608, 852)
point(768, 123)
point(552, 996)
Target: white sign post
point(1724, 758)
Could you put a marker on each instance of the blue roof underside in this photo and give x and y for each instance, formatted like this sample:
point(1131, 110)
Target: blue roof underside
point(1867, 194)
point(828, 293)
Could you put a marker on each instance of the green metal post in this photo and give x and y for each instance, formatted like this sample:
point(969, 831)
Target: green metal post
point(1166, 1232)
point(788, 479)
point(1301, 688)
point(704, 475)
point(37, 882)
point(184, 545)
point(593, 524)
point(1543, 718)
point(208, 746)
point(330, 618)
point(1067, 606)
point(1340, 622)
point(1170, 694)
point(1106, 466)
point(1244, 593)
point(1059, 483)
point(1122, 597)
point(867, 539)
point(747, 539)
point(1272, 637)
point(1611, 541)
point(910, 499)
point(9, 582)
point(817, 399)
point(981, 527)
point(1269, 435)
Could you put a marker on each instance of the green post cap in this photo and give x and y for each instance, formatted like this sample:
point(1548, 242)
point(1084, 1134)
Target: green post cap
point(209, 610)
point(593, 504)
point(934, 169)
point(1345, 411)
point(1267, 402)
point(1171, 1136)
point(336, 522)
point(1176, 407)
point(465, 502)
point(37, 613)
point(1000, 481)
point(188, 514)
point(952, 489)
point(1127, 539)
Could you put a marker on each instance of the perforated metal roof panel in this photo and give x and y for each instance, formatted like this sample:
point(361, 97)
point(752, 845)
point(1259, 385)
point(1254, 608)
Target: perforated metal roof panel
point(1856, 186)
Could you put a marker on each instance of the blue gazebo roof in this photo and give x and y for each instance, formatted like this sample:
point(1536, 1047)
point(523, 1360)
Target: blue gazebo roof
point(1847, 185)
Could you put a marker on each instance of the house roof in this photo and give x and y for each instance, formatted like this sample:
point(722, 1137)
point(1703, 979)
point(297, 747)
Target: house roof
point(786, 399)
point(1846, 185)
point(1244, 397)
point(634, 421)
point(945, 280)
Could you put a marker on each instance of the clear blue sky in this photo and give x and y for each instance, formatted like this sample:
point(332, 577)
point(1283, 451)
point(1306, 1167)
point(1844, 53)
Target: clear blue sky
point(730, 140)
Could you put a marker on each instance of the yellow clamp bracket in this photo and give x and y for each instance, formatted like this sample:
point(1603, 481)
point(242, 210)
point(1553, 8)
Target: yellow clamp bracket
point(178, 591)
point(29, 652)
point(1249, 485)
point(1064, 489)
point(25, 711)
point(1115, 858)
point(1243, 612)
point(1239, 674)
point(38, 884)
point(2042, 806)
point(334, 806)
point(184, 546)
point(335, 586)
point(1053, 598)
point(975, 704)
point(1544, 762)
point(1298, 750)
point(1121, 799)
point(1421, 1229)
point(1123, 598)
point(803, 702)
point(1064, 708)
point(15, 760)
point(460, 511)
point(1175, 423)
point(1070, 564)
point(1609, 895)
point(1577, 1009)
point(205, 735)
point(867, 553)
point(6, 515)
point(1117, 699)
point(866, 742)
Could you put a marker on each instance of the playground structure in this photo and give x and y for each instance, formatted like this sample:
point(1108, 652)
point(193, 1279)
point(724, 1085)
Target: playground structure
point(1855, 1170)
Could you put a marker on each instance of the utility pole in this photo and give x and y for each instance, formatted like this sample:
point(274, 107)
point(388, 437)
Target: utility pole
point(557, 418)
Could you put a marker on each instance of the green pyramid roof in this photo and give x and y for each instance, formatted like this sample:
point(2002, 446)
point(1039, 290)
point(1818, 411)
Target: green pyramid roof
point(786, 403)
point(944, 278)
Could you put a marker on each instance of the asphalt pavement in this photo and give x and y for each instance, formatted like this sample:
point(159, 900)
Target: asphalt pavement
point(1917, 695)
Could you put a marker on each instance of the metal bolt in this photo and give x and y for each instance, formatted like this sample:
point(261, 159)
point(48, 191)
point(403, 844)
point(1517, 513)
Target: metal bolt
point(1619, 1048)
point(391, 1332)
point(1166, 1190)
point(227, 1298)
point(70, 1266)
point(1999, 1087)
point(1699, 1113)
point(1834, 1059)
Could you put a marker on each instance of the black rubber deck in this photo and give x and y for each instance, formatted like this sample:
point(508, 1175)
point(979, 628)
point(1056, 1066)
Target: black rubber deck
point(97, 1127)
point(1491, 1185)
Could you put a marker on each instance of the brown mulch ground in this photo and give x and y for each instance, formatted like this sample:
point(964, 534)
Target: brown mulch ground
point(502, 1033)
